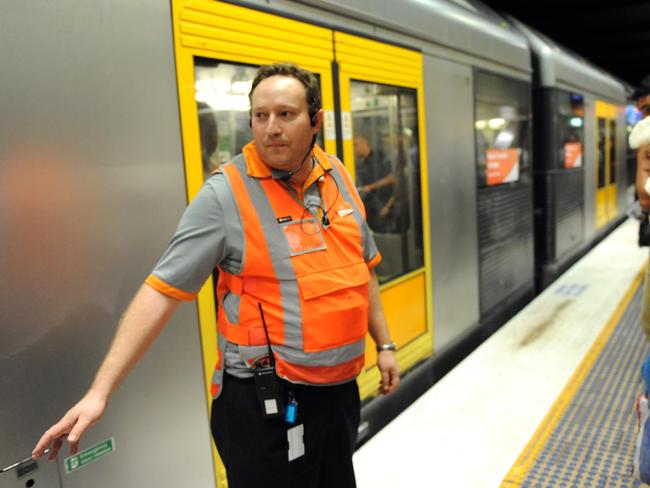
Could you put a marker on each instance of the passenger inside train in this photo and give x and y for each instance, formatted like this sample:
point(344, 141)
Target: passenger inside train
point(376, 184)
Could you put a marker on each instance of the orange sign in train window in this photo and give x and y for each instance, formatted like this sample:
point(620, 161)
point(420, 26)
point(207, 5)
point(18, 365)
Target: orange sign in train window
point(502, 165)
point(572, 155)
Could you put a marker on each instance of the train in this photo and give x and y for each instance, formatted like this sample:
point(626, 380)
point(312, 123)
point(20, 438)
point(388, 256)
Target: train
point(505, 153)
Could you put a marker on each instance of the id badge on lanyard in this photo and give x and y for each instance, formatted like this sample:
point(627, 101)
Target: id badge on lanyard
point(303, 236)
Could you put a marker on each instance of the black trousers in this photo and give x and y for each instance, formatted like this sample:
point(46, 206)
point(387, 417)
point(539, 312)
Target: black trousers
point(255, 450)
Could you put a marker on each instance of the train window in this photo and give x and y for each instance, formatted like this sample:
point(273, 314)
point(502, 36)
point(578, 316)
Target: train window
point(222, 101)
point(602, 143)
point(502, 129)
point(387, 172)
point(571, 113)
point(612, 151)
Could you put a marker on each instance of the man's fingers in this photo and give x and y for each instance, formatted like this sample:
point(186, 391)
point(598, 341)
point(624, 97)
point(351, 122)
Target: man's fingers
point(385, 381)
point(75, 434)
point(394, 380)
point(41, 445)
point(55, 448)
point(55, 435)
point(389, 380)
point(51, 435)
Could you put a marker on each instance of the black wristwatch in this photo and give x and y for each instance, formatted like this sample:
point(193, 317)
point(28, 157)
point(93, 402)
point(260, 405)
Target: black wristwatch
point(389, 346)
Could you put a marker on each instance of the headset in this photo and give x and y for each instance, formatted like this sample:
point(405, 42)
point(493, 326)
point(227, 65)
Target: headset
point(285, 175)
point(325, 220)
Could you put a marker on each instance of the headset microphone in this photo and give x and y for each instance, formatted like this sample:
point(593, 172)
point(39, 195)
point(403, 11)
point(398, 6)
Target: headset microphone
point(285, 176)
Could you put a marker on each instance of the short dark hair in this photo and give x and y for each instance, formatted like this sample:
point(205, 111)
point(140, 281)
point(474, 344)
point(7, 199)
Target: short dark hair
point(643, 88)
point(307, 78)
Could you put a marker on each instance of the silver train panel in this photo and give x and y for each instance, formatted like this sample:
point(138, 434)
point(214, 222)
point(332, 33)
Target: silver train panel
point(590, 168)
point(439, 22)
point(558, 67)
point(452, 198)
point(336, 17)
point(91, 191)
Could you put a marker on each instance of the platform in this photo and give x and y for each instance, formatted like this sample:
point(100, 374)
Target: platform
point(472, 426)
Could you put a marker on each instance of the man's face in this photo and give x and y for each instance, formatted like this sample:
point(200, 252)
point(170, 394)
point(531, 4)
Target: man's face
point(280, 121)
point(361, 147)
point(643, 105)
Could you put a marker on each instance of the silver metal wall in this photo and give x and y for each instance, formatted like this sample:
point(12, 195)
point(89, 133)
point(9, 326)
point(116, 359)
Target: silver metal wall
point(558, 67)
point(449, 100)
point(91, 189)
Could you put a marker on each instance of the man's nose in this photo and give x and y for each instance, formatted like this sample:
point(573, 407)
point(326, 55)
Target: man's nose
point(272, 126)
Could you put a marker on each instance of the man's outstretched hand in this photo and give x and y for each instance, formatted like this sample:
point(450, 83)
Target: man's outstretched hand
point(72, 426)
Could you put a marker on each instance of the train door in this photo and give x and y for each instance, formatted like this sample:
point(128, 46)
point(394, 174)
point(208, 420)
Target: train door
point(606, 163)
point(381, 98)
point(218, 49)
point(612, 177)
point(504, 192)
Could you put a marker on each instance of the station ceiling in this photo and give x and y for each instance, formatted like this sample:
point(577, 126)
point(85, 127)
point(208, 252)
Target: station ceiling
point(614, 34)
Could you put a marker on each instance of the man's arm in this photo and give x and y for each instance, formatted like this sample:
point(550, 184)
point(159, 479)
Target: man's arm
point(386, 360)
point(143, 320)
point(642, 174)
point(388, 180)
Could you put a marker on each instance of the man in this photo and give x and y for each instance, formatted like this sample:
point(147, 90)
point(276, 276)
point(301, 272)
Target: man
point(286, 229)
point(642, 97)
point(376, 182)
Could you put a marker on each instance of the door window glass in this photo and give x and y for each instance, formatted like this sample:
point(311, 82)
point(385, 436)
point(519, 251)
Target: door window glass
point(571, 110)
point(502, 128)
point(612, 151)
point(223, 109)
point(387, 172)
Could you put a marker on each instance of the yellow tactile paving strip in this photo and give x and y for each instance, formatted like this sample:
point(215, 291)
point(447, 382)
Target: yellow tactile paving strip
point(587, 438)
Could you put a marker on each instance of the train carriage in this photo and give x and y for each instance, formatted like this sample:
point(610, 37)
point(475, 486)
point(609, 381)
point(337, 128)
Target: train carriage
point(581, 185)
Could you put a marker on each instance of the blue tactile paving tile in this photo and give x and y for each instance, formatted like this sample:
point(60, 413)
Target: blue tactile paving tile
point(592, 445)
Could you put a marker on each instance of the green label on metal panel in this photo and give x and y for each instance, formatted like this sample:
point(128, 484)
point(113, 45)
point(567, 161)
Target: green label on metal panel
point(89, 455)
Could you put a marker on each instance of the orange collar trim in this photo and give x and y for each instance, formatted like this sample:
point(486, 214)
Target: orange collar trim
point(257, 168)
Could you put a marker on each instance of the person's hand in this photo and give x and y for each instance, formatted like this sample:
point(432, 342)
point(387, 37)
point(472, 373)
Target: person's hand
point(385, 210)
point(72, 426)
point(365, 189)
point(389, 369)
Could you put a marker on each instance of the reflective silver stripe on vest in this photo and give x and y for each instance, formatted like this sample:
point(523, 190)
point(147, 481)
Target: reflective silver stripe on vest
point(343, 189)
point(368, 245)
point(230, 303)
point(217, 376)
point(280, 259)
point(330, 357)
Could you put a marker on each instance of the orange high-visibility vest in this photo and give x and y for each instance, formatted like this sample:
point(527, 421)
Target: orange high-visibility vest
point(310, 279)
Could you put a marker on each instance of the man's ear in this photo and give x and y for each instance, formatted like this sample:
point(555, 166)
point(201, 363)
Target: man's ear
point(317, 121)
